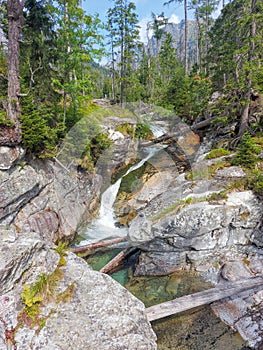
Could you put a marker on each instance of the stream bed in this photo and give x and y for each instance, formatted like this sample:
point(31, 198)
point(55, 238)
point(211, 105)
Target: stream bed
point(198, 329)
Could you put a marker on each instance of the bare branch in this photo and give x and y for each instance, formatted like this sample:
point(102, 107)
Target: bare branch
point(32, 73)
point(3, 76)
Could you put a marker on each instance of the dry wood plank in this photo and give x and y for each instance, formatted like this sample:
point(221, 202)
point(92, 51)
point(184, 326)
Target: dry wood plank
point(113, 264)
point(191, 301)
point(97, 245)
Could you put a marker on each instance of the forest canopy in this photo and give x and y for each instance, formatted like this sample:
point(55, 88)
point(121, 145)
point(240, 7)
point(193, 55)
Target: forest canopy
point(50, 67)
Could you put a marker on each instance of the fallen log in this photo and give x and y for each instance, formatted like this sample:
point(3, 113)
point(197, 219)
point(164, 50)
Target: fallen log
point(118, 261)
point(202, 124)
point(97, 245)
point(191, 301)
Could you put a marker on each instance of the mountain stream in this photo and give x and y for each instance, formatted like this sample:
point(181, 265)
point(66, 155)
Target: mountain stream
point(198, 329)
point(105, 225)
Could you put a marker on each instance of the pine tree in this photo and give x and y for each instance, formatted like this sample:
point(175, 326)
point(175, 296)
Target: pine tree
point(157, 24)
point(186, 5)
point(77, 45)
point(236, 54)
point(168, 61)
point(124, 32)
point(203, 10)
point(39, 53)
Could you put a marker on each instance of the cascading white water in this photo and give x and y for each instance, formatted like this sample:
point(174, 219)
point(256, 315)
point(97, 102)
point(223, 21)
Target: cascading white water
point(157, 131)
point(103, 227)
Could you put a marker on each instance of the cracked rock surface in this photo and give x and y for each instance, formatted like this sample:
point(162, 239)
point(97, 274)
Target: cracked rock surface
point(98, 314)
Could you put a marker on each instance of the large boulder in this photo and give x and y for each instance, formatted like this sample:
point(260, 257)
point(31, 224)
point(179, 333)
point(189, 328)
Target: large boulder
point(44, 197)
point(65, 204)
point(195, 224)
point(74, 307)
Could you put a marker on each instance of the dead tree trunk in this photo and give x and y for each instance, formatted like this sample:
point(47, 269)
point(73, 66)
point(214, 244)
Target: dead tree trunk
point(98, 245)
point(117, 262)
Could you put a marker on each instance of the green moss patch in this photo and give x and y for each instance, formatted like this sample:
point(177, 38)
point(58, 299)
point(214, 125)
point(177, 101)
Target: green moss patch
point(177, 206)
point(37, 295)
point(216, 153)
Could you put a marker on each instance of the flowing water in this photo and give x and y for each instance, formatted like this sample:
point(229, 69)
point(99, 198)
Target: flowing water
point(198, 329)
point(158, 131)
point(104, 226)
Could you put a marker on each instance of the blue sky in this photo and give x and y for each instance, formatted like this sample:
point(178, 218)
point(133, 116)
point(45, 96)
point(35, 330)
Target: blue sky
point(144, 8)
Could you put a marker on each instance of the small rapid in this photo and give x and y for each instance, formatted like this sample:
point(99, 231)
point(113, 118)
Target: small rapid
point(105, 226)
point(158, 131)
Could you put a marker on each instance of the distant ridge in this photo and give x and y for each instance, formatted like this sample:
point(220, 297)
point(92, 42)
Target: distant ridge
point(177, 32)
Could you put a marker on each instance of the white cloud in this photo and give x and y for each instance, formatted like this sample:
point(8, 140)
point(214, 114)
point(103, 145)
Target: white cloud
point(144, 23)
point(174, 19)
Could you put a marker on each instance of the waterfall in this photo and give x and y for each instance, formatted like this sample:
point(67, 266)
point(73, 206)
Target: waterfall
point(157, 131)
point(103, 227)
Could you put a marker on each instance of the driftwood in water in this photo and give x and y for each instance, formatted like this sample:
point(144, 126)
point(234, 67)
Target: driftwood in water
point(98, 245)
point(191, 301)
point(118, 261)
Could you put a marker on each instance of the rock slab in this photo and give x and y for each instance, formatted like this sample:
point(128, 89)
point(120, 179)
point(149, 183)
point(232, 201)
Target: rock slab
point(100, 313)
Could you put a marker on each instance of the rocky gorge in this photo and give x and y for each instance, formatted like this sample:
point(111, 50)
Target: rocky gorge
point(187, 214)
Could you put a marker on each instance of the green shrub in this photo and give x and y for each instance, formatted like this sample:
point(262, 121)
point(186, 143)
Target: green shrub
point(94, 148)
point(143, 131)
point(223, 121)
point(217, 196)
point(256, 182)
point(247, 152)
point(43, 292)
point(216, 153)
point(238, 185)
point(3, 119)
point(39, 129)
point(126, 129)
point(98, 144)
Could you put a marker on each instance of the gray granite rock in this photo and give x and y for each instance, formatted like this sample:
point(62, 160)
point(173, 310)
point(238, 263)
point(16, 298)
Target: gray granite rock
point(9, 156)
point(242, 312)
point(18, 188)
point(201, 231)
point(230, 173)
point(98, 314)
point(44, 198)
point(235, 270)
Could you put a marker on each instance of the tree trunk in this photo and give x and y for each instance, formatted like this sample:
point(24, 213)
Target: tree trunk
point(206, 36)
point(113, 71)
point(198, 42)
point(117, 263)
point(98, 245)
point(185, 37)
point(244, 119)
point(15, 16)
point(245, 110)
